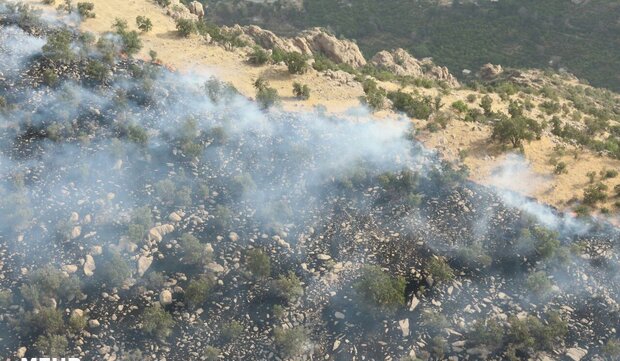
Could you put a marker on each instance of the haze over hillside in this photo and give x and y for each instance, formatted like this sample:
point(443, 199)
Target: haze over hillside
point(175, 190)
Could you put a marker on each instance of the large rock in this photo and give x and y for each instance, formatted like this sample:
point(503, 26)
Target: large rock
point(404, 327)
point(489, 71)
point(165, 297)
point(340, 51)
point(310, 42)
point(576, 353)
point(157, 233)
point(197, 9)
point(178, 11)
point(89, 265)
point(400, 62)
point(144, 262)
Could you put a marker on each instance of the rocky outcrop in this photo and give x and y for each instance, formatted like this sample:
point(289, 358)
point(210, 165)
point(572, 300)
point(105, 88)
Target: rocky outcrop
point(310, 42)
point(489, 71)
point(197, 9)
point(176, 10)
point(340, 51)
point(400, 62)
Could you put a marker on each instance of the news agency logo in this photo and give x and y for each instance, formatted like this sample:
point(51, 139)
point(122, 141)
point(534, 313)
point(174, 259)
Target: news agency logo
point(51, 359)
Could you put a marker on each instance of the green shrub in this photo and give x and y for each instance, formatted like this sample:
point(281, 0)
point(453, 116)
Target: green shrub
point(459, 106)
point(144, 24)
point(97, 70)
point(322, 63)
point(487, 333)
point(6, 298)
point(58, 47)
point(438, 347)
point(530, 335)
point(287, 287)
point(595, 193)
point(232, 330)
point(297, 63)
point(259, 56)
point(51, 344)
point(265, 95)
point(380, 289)
point(440, 270)
point(212, 353)
point(197, 291)
point(471, 98)
point(612, 348)
point(113, 269)
point(222, 216)
point(85, 9)
point(194, 252)
point(258, 263)
point(539, 284)
point(486, 104)
point(242, 184)
point(163, 3)
point(419, 108)
point(217, 90)
point(435, 322)
point(157, 322)
point(290, 342)
point(609, 173)
point(561, 168)
point(77, 323)
point(301, 91)
point(137, 134)
point(48, 282)
point(46, 321)
point(186, 27)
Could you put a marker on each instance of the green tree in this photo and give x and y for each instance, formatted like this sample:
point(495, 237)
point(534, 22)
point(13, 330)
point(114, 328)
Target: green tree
point(144, 24)
point(297, 63)
point(512, 130)
point(186, 27)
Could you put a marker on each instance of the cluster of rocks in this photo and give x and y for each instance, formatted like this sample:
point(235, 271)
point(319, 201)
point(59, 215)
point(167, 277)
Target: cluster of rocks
point(193, 11)
point(315, 41)
point(400, 62)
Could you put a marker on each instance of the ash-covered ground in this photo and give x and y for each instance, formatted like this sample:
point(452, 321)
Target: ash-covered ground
point(148, 215)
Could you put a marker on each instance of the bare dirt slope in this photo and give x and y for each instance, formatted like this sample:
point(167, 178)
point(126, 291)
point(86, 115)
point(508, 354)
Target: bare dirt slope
point(195, 56)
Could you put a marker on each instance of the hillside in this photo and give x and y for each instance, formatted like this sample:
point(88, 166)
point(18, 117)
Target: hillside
point(175, 190)
point(338, 92)
point(580, 36)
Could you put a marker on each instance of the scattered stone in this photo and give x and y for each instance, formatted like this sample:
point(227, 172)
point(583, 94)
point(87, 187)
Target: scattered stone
point(165, 297)
point(89, 266)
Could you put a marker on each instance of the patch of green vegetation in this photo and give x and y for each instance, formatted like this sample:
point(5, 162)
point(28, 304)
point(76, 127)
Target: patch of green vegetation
point(380, 289)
